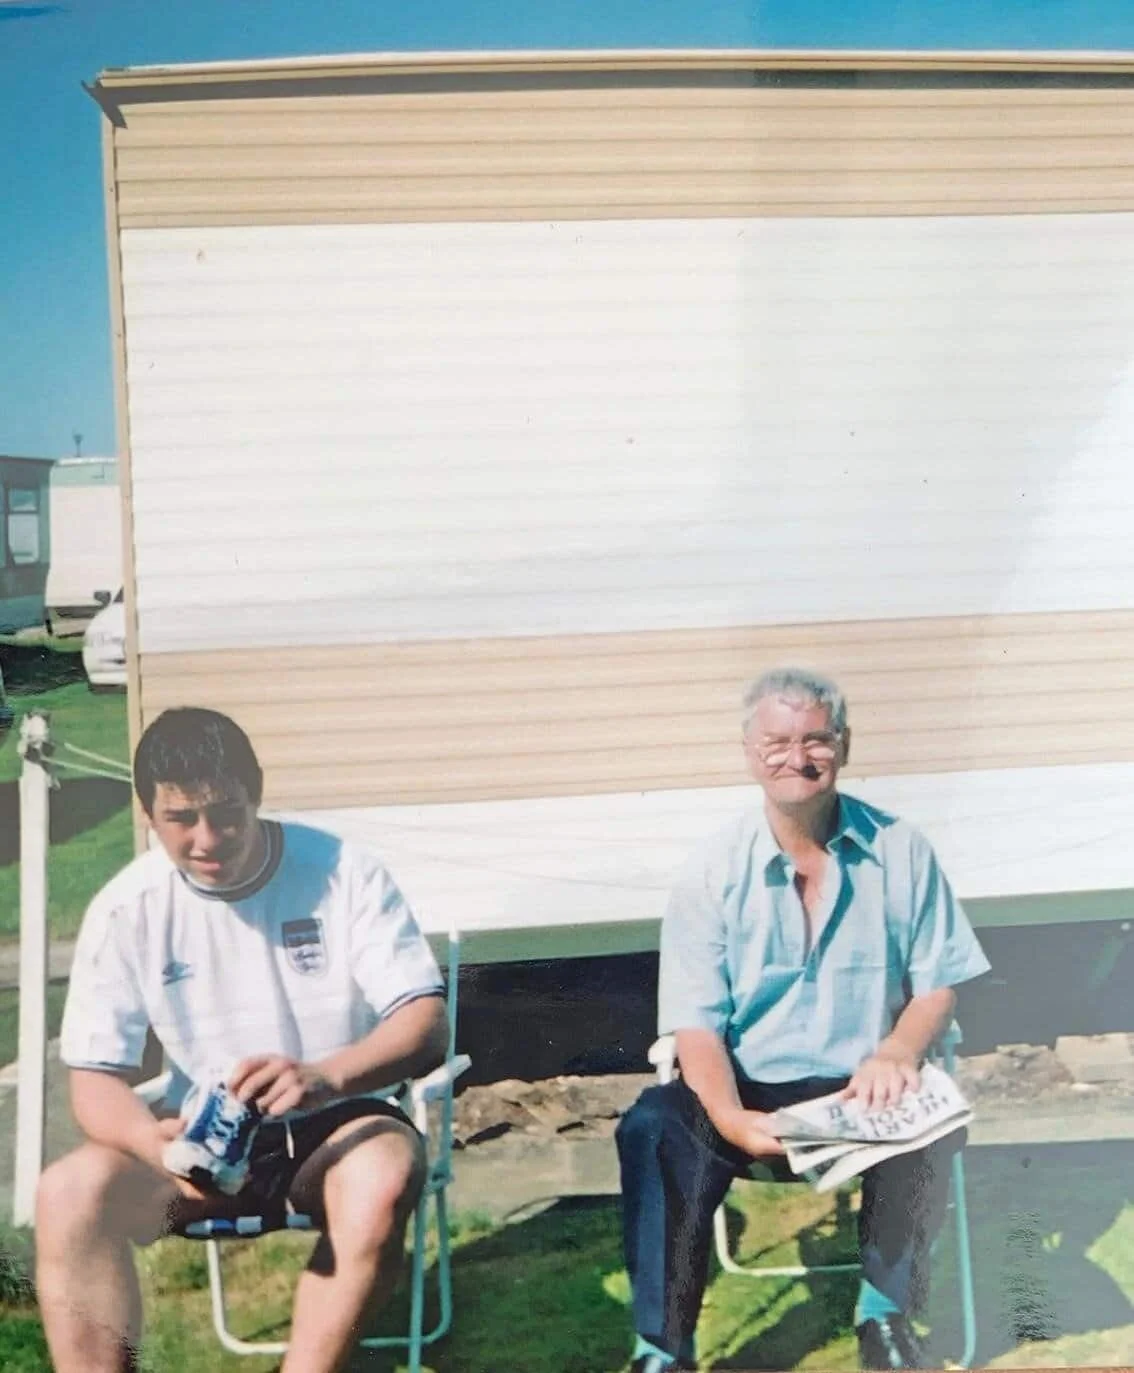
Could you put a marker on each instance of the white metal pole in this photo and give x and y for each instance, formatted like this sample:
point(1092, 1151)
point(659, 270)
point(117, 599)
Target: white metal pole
point(35, 784)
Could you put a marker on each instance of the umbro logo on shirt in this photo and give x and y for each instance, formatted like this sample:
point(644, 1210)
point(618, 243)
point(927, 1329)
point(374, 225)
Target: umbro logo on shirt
point(175, 972)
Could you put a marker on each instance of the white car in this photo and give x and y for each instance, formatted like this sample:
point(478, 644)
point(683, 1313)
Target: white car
point(104, 646)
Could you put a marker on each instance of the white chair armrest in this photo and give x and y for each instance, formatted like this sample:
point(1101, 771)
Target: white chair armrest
point(153, 1089)
point(663, 1055)
point(434, 1085)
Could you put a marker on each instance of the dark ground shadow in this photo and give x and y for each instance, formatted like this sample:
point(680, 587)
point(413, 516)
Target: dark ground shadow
point(30, 668)
point(826, 1313)
point(78, 805)
point(1034, 1212)
point(527, 1296)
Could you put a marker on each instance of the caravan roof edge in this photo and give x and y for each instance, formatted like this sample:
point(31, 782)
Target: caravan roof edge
point(345, 66)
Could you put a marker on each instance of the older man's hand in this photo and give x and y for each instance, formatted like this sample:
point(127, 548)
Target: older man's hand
point(751, 1131)
point(883, 1078)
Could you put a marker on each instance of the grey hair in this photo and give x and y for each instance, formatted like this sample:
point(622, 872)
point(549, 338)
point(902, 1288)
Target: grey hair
point(797, 684)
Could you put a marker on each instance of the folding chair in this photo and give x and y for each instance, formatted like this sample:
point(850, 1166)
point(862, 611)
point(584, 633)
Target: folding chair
point(663, 1056)
point(415, 1097)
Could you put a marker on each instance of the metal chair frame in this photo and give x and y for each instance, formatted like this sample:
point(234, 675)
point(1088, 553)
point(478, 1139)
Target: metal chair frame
point(416, 1097)
point(663, 1056)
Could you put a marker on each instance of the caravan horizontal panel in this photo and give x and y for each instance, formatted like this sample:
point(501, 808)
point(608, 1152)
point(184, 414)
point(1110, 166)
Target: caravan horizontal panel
point(835, 439)
point(480, 719)
point(716, 144)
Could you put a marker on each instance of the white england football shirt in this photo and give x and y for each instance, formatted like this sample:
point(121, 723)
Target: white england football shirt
point(302, 960)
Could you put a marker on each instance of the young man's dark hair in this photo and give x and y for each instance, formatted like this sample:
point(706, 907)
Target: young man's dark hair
point(196, 750)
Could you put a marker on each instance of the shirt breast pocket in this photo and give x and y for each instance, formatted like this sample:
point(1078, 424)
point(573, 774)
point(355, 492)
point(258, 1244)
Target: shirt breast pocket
point(861, 980)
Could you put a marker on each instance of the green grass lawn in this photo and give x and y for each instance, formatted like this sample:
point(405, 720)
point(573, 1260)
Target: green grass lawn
point(1053, 1250)
point(90, 816)
point(10, 1019)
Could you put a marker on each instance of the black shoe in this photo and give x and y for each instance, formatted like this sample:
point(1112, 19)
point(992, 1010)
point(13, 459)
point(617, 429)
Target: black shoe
point(889, 1343)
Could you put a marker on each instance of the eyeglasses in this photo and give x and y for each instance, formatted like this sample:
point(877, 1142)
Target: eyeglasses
point(820, 747)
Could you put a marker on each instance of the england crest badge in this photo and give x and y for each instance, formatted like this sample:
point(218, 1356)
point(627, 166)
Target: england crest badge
point(305, 946)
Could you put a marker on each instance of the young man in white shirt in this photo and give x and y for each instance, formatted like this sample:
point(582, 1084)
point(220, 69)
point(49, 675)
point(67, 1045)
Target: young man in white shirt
point(277, 955)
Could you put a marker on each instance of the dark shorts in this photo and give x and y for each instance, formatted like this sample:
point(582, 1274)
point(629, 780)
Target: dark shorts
point(274, 1166)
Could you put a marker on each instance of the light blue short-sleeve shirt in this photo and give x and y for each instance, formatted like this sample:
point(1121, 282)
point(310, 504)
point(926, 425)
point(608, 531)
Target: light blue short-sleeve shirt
point(737, 959)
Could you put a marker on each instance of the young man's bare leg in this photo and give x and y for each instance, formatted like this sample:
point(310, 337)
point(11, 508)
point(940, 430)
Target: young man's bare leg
point(90, 1206)
point(371, 1173)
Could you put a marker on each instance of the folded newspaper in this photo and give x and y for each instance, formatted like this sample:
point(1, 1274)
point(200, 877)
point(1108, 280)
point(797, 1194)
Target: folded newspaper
point(832, 1138)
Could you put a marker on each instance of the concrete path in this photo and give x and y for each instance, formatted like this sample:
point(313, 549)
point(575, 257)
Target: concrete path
point(59, 956)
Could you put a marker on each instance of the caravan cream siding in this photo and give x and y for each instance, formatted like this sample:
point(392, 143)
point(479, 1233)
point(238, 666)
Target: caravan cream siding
point(477, 470)
point(590, 873)
point(538, 144)
point(649, 453)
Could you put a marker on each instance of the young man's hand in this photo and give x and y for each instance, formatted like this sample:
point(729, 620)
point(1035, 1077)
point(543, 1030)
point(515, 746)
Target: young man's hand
point(751, 1131)
point(883, 1078)
point(277, 1084)
point(171, 1129)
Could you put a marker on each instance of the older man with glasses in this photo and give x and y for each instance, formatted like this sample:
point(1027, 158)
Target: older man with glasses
point(812, 946)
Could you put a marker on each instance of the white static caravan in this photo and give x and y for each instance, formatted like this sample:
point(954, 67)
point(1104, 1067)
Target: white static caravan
point(25, 541)
point(489, 418)
point(86, 537)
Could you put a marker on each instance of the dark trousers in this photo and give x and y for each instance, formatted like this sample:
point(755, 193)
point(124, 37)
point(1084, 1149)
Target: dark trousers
point(676, 1170)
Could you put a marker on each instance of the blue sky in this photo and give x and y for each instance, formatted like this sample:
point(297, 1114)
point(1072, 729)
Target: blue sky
point(55, 373)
